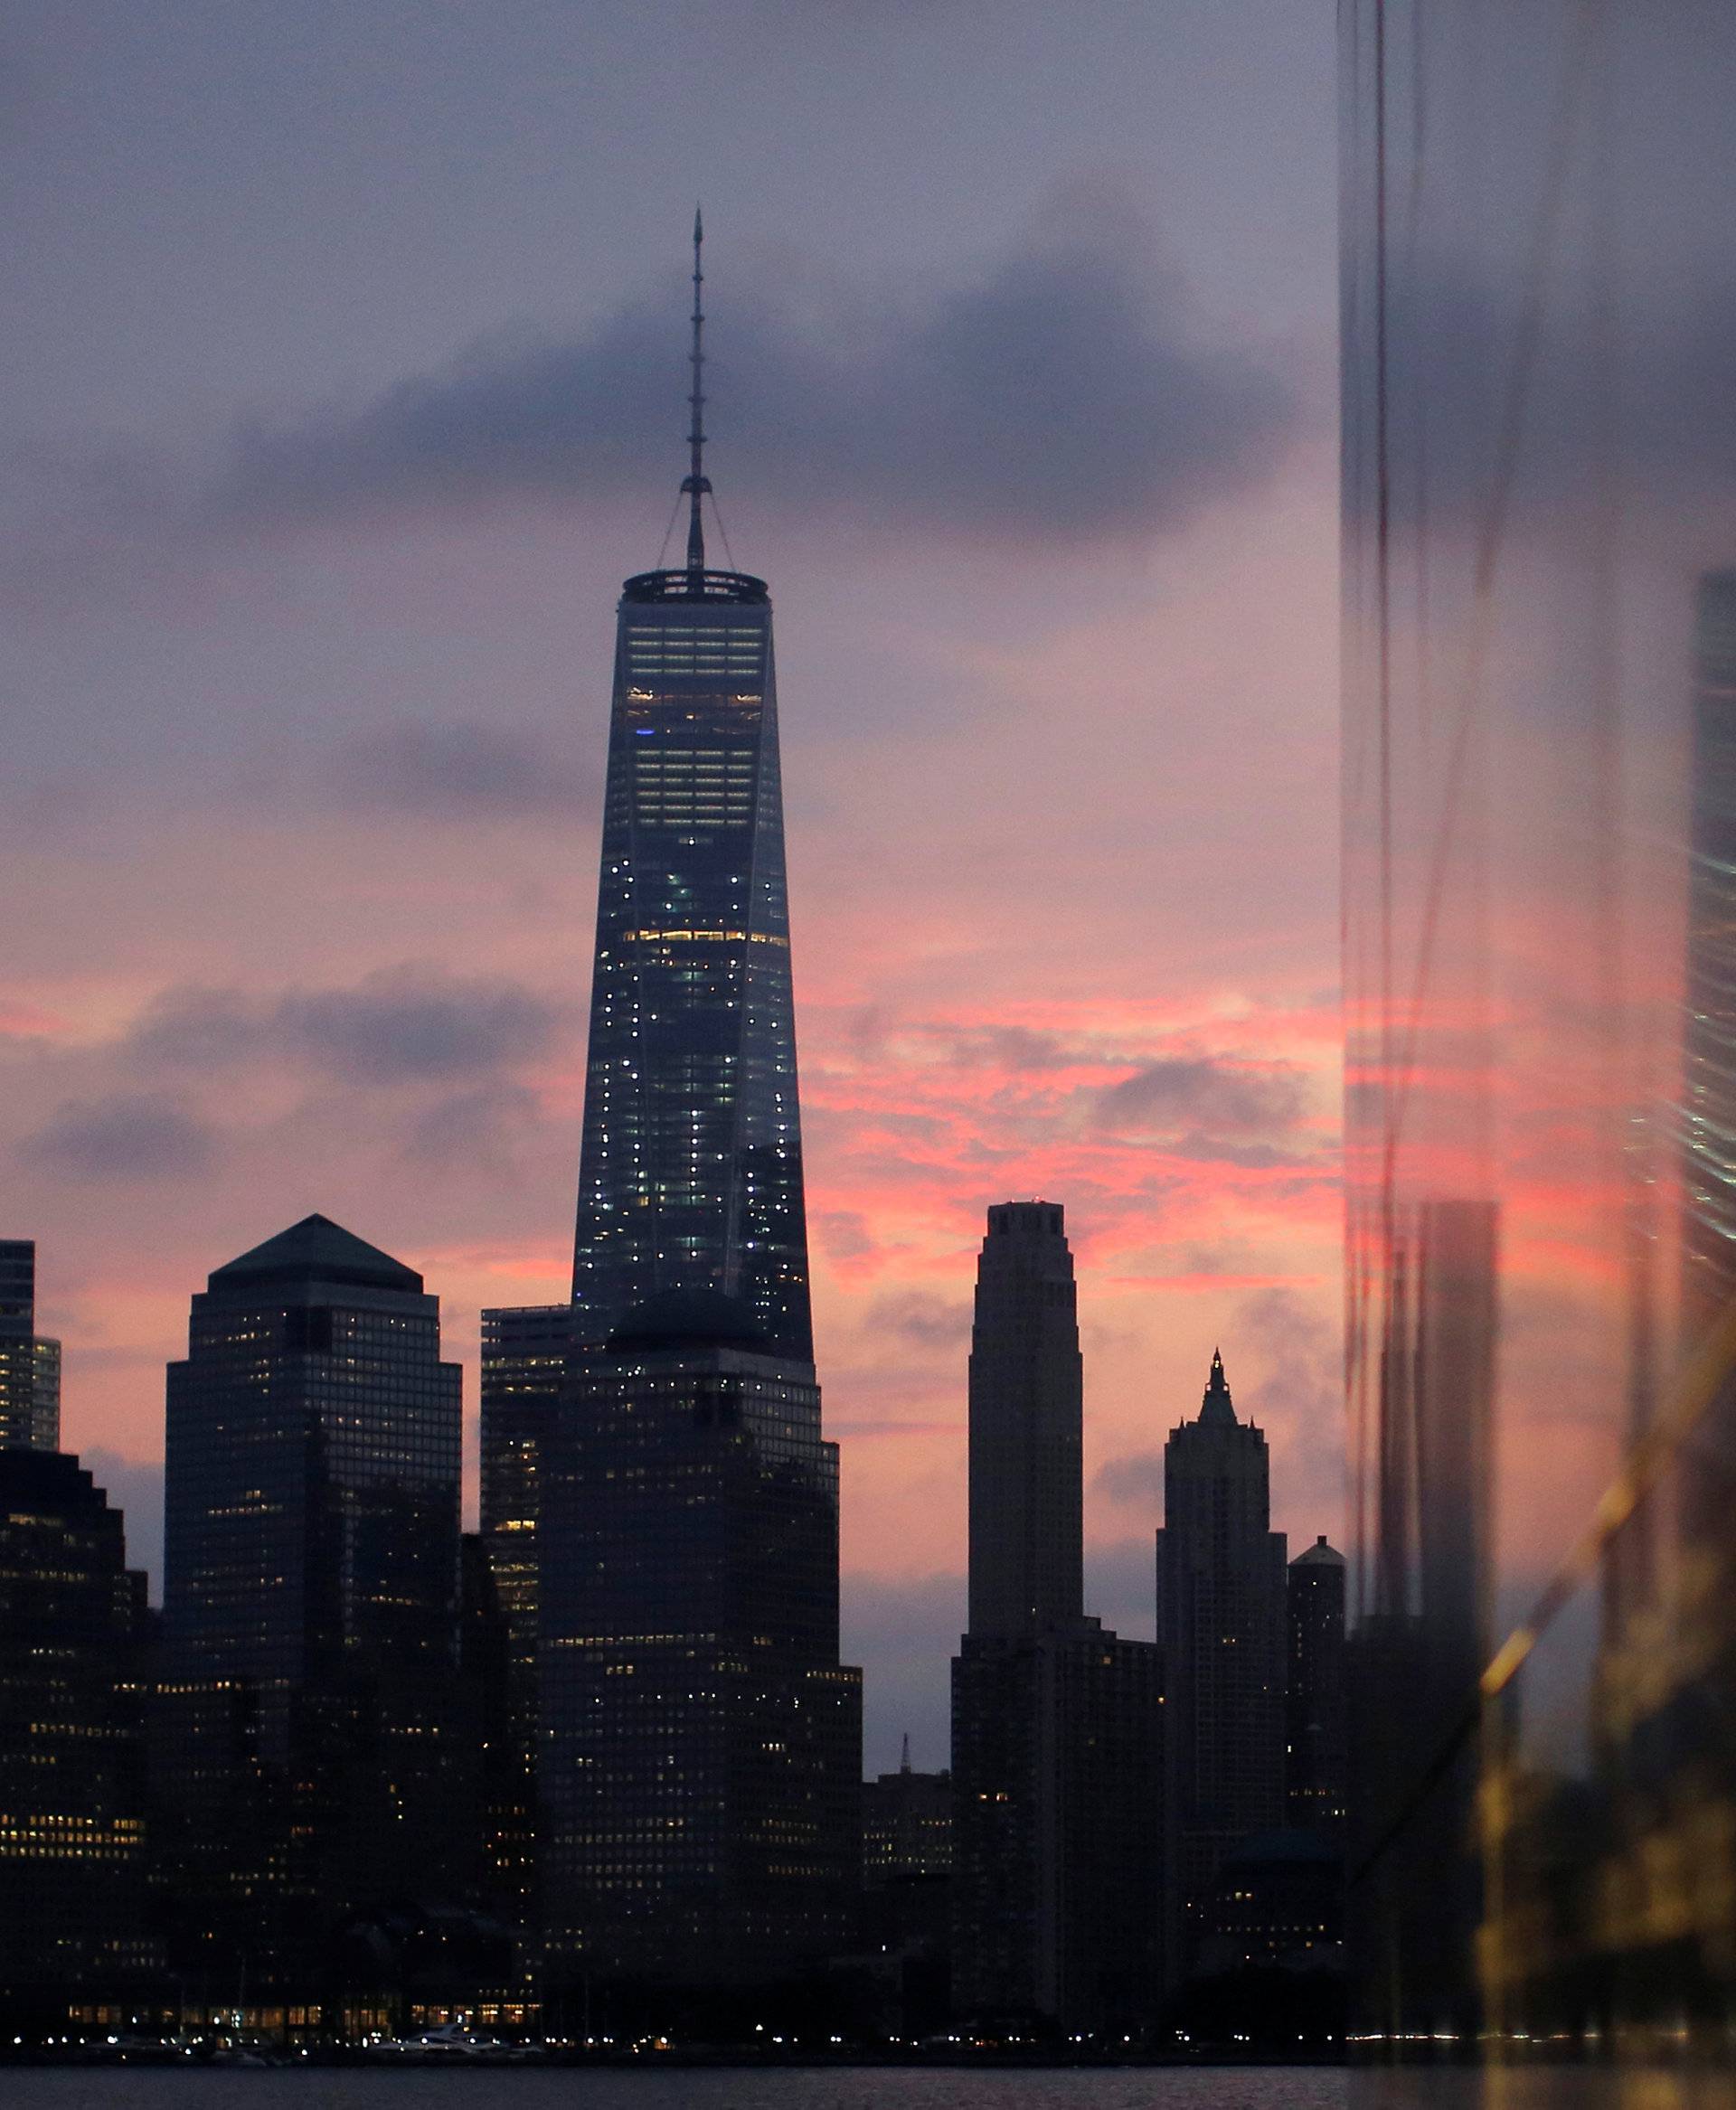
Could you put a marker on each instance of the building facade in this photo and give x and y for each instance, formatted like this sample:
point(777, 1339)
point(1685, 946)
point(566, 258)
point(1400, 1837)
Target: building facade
point(1539, 778)
point(700, 1742)
point(30, 1364)
point(311, 1590)
point(72, 1621)
point(1222, 1626)
point(1057, 1724)
point(1317, 1729)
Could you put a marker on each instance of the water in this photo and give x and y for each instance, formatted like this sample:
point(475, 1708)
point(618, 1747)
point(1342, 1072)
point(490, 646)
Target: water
point(1240, 2088)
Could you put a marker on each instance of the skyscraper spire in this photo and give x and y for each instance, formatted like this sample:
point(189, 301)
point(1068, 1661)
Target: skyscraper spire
point(1217, 1407)
point(697, 484)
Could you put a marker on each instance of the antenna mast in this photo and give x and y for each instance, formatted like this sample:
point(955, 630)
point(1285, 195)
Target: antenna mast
point(697, 483)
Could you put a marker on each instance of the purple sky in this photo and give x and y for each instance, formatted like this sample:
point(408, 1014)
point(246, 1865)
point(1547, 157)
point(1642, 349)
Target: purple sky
point(344, 367)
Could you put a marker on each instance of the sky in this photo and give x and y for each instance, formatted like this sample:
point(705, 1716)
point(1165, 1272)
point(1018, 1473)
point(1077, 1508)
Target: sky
point(344, 383)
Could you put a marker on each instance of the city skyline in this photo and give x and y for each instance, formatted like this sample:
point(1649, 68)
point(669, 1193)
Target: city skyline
point(379, 1011)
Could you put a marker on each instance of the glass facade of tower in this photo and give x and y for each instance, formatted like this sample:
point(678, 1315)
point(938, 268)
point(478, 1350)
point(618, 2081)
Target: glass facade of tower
point(310, 1725)
point(701, 1745)
point(691, 1170)
point(1539, 780)
point(29, 1366)
point(73, 1905)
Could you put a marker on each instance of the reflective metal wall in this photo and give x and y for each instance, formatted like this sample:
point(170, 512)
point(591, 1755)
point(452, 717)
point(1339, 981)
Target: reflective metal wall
point(1539, 849)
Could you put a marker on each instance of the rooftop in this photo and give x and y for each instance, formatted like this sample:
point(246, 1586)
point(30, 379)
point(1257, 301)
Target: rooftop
point(317, 1249)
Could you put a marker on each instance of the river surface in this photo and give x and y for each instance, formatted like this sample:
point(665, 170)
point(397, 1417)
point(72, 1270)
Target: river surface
point(833, 2088)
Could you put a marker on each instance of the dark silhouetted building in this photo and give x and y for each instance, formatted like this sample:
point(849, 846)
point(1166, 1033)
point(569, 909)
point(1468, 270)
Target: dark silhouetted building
point(907, 1898)
point(699, 1762)
point(30, 1365)
point(1316, 1732)
point(700, 1743)
point(1057, 1725)
point(906, 1825)
point(311, 1732)
point(1221, 1625)
point(71, 1807)
point(525, 1350)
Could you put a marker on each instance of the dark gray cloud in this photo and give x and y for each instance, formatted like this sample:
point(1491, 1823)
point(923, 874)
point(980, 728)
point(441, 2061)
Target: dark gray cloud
point(1202, 1101)
point(398, 1025)
point(1012, 1048)
point(844, 1234)
point(923, 1320)
point(473, 1131)
point(1064, 395)
point(122, 1136)
point(461, 772)
point(1136, 1479)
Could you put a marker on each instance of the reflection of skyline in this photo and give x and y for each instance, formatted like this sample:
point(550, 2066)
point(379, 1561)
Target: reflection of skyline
point(1709, 1036)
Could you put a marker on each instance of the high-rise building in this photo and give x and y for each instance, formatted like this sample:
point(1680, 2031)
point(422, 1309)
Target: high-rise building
point(701, 1745)
point(698, 1754)
point(30, 1365)
point(1221, 1625)
point(524, 1352)
point(1317, 1752)
point(906, 1825)
point(71, 1801)
point(1027, 1493)
point(311, 1571)
point(1057, 1724)
point(690, 1169)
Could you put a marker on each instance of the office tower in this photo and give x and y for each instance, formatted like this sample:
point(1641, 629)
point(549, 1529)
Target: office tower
point(29, 1366)
point(1222, 1627)
point(906, 1825)
point(311, 1570)
point(1537, 955)
point(1056, 1723)
point(907, 1896)
point(1027, 1494)
point(71, 1807)
point(700, 1745)
point(690, 1167)
point(1315, 1726)
point(524, 1352)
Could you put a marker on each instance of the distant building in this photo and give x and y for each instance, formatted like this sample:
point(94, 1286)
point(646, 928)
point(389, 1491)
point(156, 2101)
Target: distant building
point(524, 1352)
point(906, 1825)
point(72, 1803)
point(1278, 1904)
point(1056, 1724)
point(311, 1594)
point(1316, 1733)
point(700, 1744)
point(1221, 1623)
point(30, 1365)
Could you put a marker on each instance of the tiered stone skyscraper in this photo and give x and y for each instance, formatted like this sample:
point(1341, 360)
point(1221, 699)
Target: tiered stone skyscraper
point(1222, 1625)
point(1056, 1737)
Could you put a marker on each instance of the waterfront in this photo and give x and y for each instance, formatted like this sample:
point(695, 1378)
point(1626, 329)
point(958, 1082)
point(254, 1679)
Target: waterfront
point(684, 2088)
